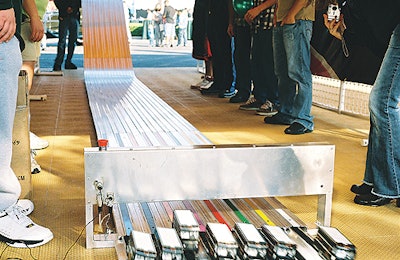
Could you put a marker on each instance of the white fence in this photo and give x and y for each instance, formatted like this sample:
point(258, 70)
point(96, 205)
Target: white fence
point(341, 96)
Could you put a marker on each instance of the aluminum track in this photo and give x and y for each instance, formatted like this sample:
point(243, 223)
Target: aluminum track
point(128, 114)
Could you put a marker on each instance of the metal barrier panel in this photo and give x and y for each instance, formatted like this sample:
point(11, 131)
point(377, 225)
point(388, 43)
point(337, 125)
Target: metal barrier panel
point(210, 172)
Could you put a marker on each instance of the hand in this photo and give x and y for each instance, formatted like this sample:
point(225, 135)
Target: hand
point(288, 20)
point(37, 30)
point(336, 29)
point(7, 25)
point(251, 15)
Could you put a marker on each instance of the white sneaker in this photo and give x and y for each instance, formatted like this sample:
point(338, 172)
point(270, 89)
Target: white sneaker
point(26, 206)
point(36, 142)
point(18, 230)
point(35, 167)
point(203, 84)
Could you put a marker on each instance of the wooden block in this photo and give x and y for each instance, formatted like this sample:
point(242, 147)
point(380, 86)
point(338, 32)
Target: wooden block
point(21, 162)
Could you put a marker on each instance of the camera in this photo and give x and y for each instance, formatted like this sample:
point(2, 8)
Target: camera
point(333, 12)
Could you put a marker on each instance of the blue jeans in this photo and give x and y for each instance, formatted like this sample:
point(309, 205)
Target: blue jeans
point(150, 35)
point(157, 34)
point(68, 26)
point(182, 36)
point(382, 169)
point(262, 66)
point(291, 46)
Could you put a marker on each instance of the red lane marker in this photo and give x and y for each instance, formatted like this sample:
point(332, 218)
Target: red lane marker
point(216, 213)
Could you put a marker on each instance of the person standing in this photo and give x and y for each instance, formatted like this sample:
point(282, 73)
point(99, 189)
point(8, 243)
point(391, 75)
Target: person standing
point(16, 229)
point(239, 29)
point(265, 91)
point(157, 16)
point(150, 27)
point(32, 32)
point(169, 17)
point(183, 20)
point(200, 44)
point(69, 19)
point(381, 182)
point(292, 58)
point(217, 20)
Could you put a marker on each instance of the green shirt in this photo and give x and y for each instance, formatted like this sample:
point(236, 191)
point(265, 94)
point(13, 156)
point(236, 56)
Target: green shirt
point(41, 6)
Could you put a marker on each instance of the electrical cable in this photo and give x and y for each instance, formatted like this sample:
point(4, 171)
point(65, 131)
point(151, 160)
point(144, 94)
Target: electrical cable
point(79, 236)
point(14, 258)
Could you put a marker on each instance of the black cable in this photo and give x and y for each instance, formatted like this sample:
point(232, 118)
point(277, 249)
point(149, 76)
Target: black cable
point(4, 250)
point(27, 246)
point(30, 252)
point(79, 236)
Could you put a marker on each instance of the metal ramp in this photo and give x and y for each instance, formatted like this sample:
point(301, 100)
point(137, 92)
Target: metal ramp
point(128, 114)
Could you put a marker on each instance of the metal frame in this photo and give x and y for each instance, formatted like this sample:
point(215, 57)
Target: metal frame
point(208, 172)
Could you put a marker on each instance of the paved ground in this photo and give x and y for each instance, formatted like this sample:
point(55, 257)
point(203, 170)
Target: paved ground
point(143, 56)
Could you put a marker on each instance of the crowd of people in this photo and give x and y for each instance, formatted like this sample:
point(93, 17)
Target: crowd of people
point(166, 25)
point(265, 81)
point(271, 70)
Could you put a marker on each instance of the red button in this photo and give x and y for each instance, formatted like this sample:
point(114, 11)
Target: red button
point(102, 142)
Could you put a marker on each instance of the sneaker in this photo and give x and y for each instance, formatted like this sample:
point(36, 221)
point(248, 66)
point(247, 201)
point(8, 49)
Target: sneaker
point(26, 206)
point(212, 90)
point(230, 93)
point(267, 109)
point(35, 167)
point(204, 84)
point(36, 142)
point(70, 66)
point(18, 230)
point(371, 200)
point(252, 104)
